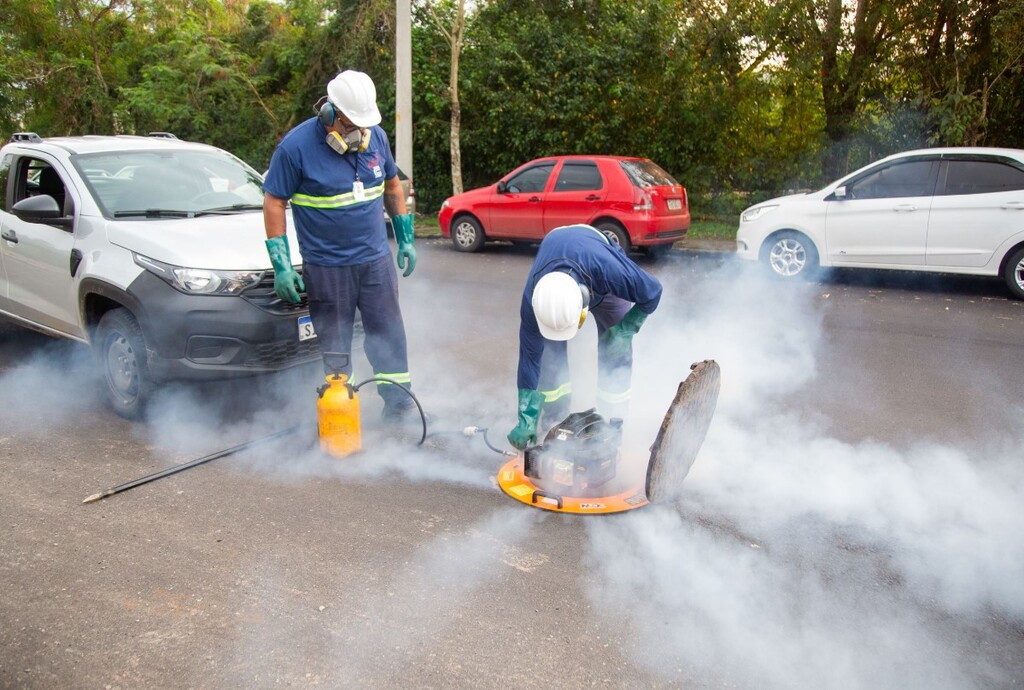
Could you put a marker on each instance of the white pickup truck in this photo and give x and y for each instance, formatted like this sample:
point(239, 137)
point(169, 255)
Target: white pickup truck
point(149, 249)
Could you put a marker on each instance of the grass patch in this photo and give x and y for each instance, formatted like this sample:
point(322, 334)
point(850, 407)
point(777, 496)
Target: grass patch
point(712, 230)
point(427, 226)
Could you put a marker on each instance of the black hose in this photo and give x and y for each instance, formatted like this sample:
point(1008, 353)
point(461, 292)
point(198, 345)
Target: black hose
point(472, 431)
point(507, 453)
point(423, 415)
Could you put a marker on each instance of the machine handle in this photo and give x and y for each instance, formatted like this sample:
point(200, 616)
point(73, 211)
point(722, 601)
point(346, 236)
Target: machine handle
point(10, 236)
point(541, 494)
point(335, 362)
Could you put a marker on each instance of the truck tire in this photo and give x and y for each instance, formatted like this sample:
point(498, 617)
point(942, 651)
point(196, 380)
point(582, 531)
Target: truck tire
point(120, 351)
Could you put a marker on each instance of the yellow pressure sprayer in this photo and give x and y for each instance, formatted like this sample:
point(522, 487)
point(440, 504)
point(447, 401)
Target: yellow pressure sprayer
point(338, 411)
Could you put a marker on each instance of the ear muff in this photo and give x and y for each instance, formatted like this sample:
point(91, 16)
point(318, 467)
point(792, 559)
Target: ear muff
point(326, 114)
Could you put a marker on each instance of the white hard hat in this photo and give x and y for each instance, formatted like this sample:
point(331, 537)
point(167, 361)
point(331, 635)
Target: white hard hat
point(558, 305)
point(354, 94)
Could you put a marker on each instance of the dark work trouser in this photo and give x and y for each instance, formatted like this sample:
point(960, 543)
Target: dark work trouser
point(613, 374)
point(335, 292)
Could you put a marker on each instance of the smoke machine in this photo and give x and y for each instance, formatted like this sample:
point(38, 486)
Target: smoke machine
point(575, 468)
point(577, 456)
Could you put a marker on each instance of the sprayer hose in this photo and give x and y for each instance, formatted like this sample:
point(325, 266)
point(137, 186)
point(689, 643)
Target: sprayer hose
point(381, 379)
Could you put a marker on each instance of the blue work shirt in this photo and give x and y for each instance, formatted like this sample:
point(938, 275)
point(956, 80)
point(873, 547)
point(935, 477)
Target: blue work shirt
point(334, 228)
point(588, 256)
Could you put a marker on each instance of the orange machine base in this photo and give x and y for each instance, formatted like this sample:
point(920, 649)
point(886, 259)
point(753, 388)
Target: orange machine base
point(520, 487)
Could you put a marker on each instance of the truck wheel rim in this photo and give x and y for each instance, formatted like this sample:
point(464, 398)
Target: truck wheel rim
point(122, 367)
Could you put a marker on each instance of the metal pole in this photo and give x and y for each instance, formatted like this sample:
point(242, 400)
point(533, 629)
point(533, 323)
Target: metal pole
point(403, 87)
point(193, 463)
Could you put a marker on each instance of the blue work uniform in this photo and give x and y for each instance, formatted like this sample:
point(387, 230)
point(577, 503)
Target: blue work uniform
point(615, 283)
point(342, 235)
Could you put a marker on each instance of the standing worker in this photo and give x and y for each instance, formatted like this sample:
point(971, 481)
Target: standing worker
point(577, 270)
point(338, 172)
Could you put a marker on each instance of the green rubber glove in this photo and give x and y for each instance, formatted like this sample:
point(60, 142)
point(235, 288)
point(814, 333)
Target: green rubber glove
point(525, 433)
point(404, 235)
point(618, 339)
point(285, 276)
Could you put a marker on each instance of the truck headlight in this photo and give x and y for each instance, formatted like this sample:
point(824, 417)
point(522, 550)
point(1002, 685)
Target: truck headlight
point(752, 214)
point(199, 281)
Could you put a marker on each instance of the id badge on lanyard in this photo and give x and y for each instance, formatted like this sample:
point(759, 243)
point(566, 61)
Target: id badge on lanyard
point(358, 191)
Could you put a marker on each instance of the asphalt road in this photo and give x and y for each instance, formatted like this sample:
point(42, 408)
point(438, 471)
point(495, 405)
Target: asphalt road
point(853, 520)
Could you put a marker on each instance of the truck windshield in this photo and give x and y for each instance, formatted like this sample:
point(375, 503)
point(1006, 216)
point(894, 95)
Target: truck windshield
point(129, 183)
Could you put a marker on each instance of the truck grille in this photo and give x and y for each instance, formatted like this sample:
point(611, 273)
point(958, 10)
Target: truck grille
point(277, 355)
point(262, 296)
point(286, 353)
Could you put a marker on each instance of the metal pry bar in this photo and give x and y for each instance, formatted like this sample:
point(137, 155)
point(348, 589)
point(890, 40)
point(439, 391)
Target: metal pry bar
point(192, 463)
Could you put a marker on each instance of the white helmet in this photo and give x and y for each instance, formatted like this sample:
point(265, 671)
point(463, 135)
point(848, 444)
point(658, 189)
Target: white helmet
point(559, 306)
point(354, 94)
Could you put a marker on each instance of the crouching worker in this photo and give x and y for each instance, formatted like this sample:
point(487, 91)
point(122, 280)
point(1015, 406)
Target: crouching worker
point(338, 172)
point(578, 272)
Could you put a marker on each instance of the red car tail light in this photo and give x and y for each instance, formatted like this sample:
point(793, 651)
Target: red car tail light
point(642, 201)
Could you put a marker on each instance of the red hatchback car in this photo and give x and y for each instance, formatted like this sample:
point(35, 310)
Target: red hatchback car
point(631, 200)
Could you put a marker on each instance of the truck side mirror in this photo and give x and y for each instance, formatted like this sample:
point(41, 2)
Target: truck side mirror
point(41, 208)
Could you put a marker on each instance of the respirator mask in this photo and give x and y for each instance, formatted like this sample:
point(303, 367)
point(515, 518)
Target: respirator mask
point(356, 140)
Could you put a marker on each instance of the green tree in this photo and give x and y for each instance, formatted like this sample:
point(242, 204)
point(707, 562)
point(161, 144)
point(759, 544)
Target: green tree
point(195, 79)
point(969, 67)
point(63, 63)
point(449, 18)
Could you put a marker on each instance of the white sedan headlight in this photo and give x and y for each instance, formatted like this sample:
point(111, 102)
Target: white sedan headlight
point(755, 212)
point(200, 281)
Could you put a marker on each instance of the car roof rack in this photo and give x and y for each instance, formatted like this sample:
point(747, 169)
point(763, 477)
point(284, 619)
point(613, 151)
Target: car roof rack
point(27, 136)
point(162, 135)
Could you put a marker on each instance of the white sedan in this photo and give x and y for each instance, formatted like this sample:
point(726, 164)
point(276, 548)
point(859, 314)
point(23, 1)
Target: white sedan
point(944, 210)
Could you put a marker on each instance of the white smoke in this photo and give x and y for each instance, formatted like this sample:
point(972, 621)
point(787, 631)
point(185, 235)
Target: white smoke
point(426, 595)
point(55, 383)
point(796, 559)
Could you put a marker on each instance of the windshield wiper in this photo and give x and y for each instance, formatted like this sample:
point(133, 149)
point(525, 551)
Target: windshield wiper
point(234, 208)
point(154, 213)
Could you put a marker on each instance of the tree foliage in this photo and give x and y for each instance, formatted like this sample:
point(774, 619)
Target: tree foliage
point(728, 95)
